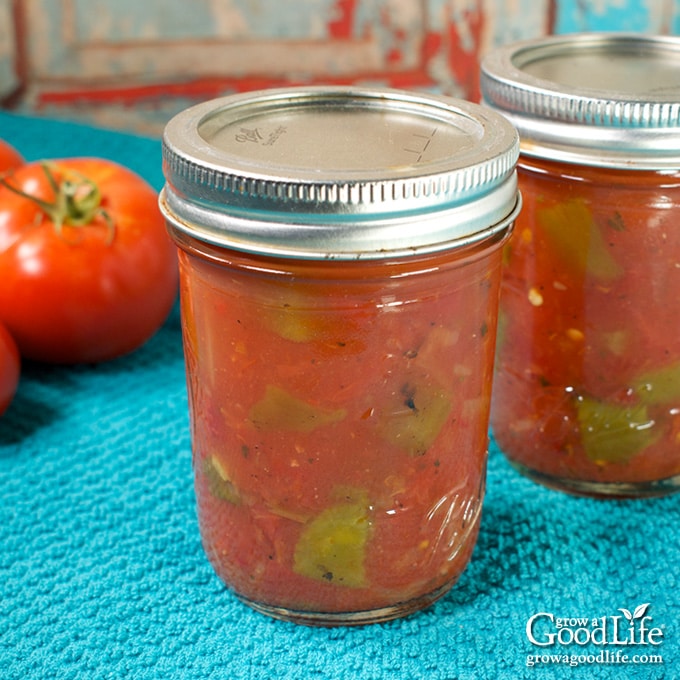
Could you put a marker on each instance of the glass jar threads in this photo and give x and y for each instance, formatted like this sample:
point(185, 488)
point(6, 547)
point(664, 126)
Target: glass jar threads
point(587, 381)
point(340, 254)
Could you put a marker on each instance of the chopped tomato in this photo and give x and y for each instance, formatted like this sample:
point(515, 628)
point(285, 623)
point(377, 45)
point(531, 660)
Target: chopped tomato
point(339, 417)
point(586, 384)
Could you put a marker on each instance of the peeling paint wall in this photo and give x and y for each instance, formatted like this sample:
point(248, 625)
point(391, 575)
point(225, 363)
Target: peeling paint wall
point(8, 49)
point(132, 64)
point(620, 15)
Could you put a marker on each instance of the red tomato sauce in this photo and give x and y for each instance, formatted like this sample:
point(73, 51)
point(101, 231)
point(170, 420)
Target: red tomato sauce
point(339, 422)
point(587, 383)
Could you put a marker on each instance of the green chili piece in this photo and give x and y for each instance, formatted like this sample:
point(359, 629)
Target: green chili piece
point(332, 546)
point(612, 433)
point(295, 318)
point(413, 419)
point(571, 230)
point(280, 410)
point(293, 324)
point(661, 386)
point(219, 484)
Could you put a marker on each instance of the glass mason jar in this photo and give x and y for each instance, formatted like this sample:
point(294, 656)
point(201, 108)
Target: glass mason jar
point(340, 254)
point(587, 381)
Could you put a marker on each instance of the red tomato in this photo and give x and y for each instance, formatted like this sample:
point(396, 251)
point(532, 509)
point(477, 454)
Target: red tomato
point(9, 368)
point(88, 270)
point(9, 157)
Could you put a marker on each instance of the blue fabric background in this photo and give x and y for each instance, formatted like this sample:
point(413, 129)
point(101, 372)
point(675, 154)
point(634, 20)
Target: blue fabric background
point(102, 574)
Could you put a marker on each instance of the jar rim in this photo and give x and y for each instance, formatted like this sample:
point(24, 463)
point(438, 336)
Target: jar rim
point(325, 242)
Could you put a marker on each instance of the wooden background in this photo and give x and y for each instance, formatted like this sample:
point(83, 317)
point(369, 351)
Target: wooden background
point(131, 64)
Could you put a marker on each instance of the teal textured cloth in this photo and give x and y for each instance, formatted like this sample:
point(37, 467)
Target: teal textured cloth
point(102, 574)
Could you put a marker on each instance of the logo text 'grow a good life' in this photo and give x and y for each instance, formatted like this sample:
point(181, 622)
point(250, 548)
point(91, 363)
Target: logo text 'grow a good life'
point(598, 640)
point(630, 628)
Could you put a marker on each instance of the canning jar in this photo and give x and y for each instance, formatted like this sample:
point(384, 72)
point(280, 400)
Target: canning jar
point(587, 381)
point(340, 254)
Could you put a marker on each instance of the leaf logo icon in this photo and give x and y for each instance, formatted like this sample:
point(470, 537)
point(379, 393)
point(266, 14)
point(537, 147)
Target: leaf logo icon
point(639, 612)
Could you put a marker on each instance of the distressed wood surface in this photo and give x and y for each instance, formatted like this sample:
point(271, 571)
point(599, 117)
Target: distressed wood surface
point(132, 64)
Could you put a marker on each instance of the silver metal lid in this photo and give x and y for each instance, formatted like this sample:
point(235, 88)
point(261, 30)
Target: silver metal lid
point(608, 99)
point(339, 172)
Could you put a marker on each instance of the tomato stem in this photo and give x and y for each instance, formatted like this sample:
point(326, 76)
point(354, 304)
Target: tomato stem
point(77, 202)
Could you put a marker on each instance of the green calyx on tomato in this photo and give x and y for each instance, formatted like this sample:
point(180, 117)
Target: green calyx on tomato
point(332, 546)
point(280, 410)
point(77, 201)
point(577, 239)
point(614, 433)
